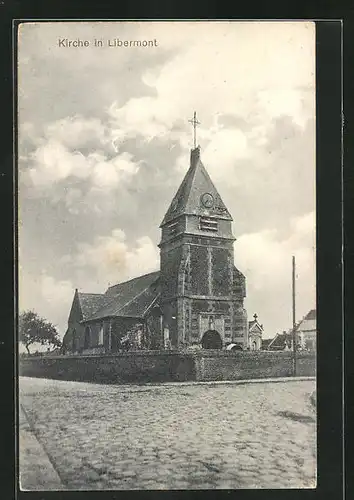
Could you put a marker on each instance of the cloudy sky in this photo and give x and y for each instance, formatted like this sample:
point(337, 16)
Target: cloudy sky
point(104, 143)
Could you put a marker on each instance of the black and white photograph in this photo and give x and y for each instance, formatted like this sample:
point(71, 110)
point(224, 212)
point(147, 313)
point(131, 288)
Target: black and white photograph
point(166, 184)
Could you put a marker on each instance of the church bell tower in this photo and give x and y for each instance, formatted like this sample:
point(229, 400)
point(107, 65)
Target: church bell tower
point(202, 292)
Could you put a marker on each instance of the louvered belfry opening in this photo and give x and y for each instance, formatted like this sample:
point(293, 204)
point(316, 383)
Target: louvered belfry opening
point(208, 224)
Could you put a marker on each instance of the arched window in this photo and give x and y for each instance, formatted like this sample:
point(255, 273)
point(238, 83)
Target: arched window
point(100, 336)
point(74, 341)
point(87, 337)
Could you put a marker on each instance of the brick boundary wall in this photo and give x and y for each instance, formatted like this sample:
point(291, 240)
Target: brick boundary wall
point(162, 366)
point(251, 365)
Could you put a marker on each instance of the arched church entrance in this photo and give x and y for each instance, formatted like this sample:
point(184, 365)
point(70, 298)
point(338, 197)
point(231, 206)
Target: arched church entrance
point(211, 340)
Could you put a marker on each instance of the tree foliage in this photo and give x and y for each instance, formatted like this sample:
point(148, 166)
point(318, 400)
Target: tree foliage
point(34, 329)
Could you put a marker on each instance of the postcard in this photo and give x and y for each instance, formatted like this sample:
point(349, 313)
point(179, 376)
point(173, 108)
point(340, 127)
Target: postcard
point(167, 260)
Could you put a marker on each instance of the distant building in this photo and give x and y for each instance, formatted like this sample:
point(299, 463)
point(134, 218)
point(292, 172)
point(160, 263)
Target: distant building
point(255, 332)
point(265, 344)
point(195, 300)
point(306, 333)
point(281, 342)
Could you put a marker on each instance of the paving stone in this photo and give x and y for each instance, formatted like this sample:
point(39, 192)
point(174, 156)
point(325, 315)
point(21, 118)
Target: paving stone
point(221, 436)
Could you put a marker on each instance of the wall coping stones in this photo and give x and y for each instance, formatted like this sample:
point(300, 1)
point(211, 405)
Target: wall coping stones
point(206, 353)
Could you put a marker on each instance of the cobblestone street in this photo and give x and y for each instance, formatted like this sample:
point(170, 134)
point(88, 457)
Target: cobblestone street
point(176, 436)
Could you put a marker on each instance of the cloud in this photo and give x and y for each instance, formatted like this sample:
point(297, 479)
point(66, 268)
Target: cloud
point(75, 148)
point(49, 297)
point(108, 174)
point(304, 225)
point(77, 132)
point(287, 101)
point(266, 260)
point(52, 162)
point(202, 76)
point(56, 291)
point(223, 152)
point(108, 260)
point(141, 116)
point(72, 200)
point(111, 259)
point(104, 141)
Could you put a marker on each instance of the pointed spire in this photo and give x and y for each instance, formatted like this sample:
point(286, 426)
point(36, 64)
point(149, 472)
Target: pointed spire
point(197, 194)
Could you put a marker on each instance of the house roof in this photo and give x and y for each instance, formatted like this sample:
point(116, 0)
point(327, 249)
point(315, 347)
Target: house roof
point(280, 340)
point(308, 323)
point(130, 299)
point(311, 314)
point(91, 302)
point(266, 342)
point(188, 197)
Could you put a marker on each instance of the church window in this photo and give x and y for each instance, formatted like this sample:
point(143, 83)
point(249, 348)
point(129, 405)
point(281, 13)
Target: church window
point(74, 341)
point(100, 336)
point(208, 224)
point(87, 338)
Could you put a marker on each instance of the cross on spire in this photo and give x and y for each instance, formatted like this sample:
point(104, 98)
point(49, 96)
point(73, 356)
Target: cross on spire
point(194, 122)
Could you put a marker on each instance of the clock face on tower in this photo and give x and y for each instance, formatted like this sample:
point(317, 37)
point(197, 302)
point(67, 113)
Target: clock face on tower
point(207, 200)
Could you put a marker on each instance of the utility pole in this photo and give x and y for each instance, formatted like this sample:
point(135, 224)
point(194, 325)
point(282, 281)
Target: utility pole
point(294, 317)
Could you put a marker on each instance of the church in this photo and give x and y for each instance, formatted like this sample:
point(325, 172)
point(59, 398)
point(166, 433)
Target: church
point(195, 300)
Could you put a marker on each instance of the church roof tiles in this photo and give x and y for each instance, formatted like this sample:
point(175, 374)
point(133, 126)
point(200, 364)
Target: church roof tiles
point(91, 302)
point(129, 299)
